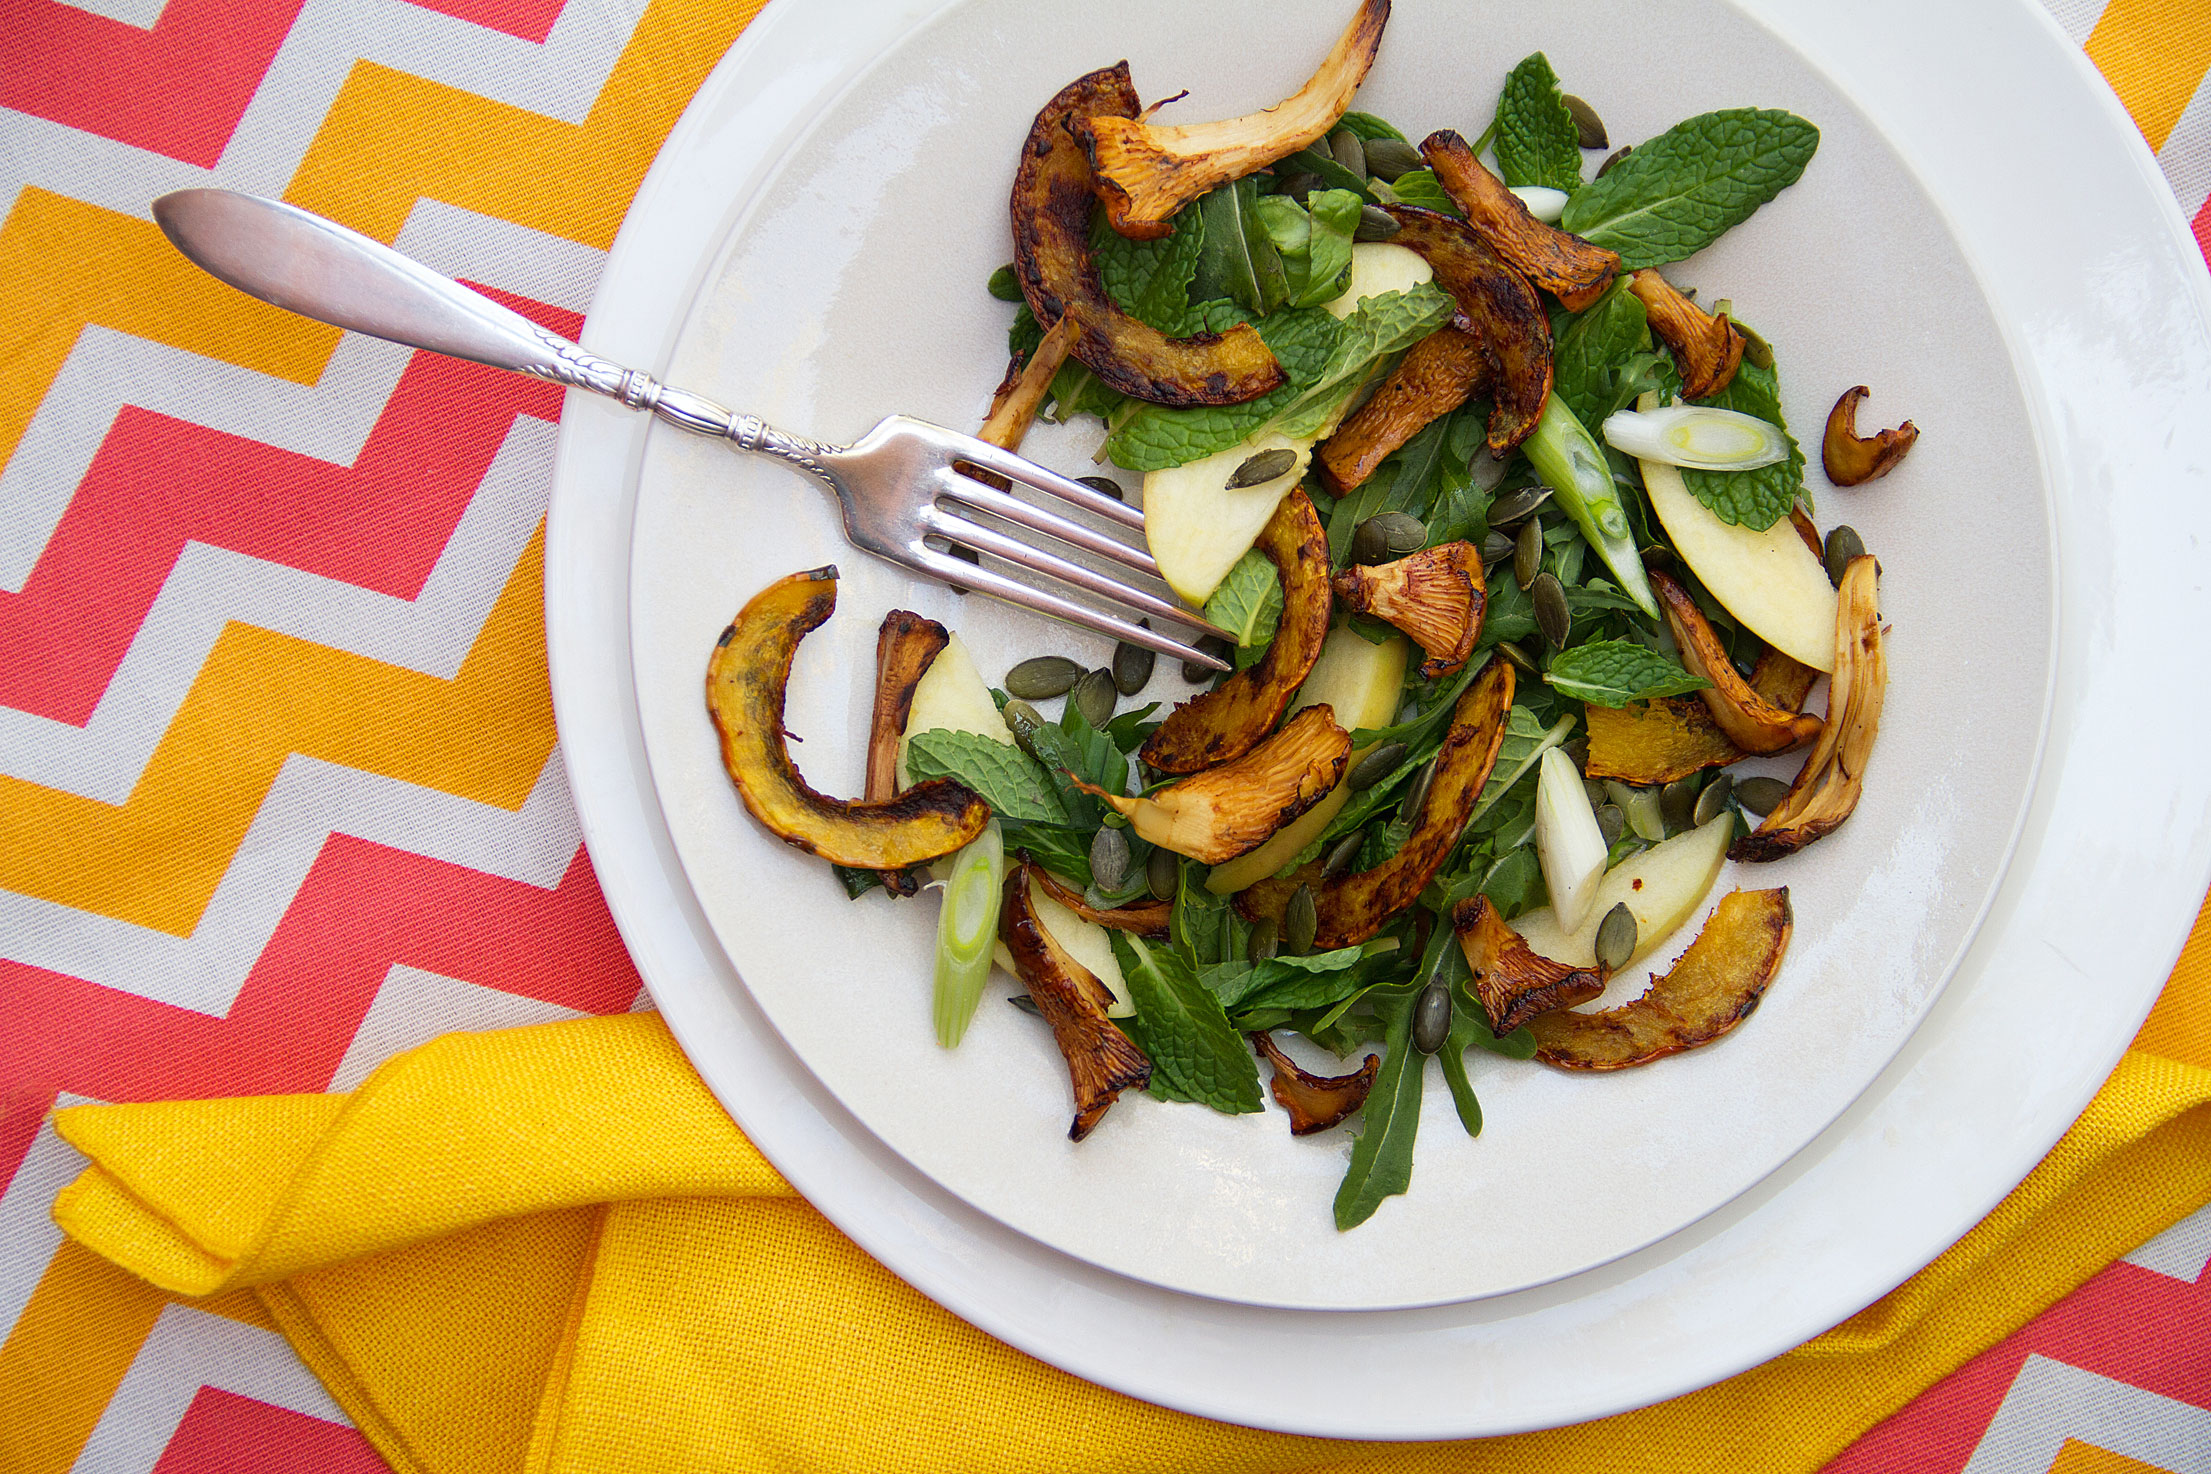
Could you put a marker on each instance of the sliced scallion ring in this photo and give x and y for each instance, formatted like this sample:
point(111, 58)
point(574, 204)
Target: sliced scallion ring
point(1697, 436)
point(966, 927)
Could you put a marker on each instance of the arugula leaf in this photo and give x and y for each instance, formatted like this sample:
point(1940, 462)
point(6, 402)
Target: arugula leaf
point(1130, 728)
point(1382, 1155)
point(857, 883)
point(1616, 672)
point(1248, 604)
point(1075, 746)
point(1202, 924)
point(1587, 354)
point(1009, 780)
point(1236, 260)
point(1514, 883)
point(1760, 497)
point(1421, 187)
point(1526, 739)
point(1676, 194)
point(1181, 1027)
point(1318, 161)
point(1283, 982)
point(1314, 241)
point(1537, 142)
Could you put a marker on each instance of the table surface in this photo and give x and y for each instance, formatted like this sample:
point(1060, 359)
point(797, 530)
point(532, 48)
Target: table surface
point(216, 546)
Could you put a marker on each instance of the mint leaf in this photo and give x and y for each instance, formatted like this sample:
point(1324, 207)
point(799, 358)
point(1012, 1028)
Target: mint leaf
point(1006, 287)
point(1240, 984)
point(1421, 187)
point(1151, 279)
point(1589, 352)
point(1616, 672)
point(1009, 780)
point(1681, 191)
point(1537, 142)
point(1195, 1054)
point(1377, 327)
point(1248, 604)
point(1761, 497)
point(1366, 125)
point(1382, 1156)
point(1077, 747)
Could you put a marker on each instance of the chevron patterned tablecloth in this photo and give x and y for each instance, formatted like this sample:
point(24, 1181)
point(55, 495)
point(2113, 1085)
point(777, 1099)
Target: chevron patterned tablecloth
point(279, 787)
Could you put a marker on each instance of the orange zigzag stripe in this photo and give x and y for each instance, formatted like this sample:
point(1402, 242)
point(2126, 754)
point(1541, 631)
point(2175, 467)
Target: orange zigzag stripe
point(66, 1356)
point(155, 860)
point(2154, 54)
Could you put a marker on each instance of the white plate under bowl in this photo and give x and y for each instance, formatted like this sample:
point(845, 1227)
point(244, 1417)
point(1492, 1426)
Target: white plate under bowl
point(851, 287)
point(2109, 312)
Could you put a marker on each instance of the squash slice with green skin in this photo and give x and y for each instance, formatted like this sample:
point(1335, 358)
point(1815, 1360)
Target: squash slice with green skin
point(745, 681)
point(1236, 716)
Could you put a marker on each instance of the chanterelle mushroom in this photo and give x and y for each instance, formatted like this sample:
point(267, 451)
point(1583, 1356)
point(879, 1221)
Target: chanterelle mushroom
point(1222, 812)
point(1707, 349)
point(1563, 264)
point(1848, 459)
point(1512, 981)
point(1497, 310)
point(1101, 1060)
point(1147, 171)
point(1315, 1102)
point(1435, 595)
point(1750, 721)
point(1437, 375)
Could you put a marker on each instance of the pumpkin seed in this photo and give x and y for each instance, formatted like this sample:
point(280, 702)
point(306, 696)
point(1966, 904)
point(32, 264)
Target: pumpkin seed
point(1496, 548)
point(1105, 484)
point(1612, 822)
point(1259, 469)
point(1094, 697)
point(1340, 858)
point(1022, 720)
point(1677, 801)
point(1266, 940)
point(1109, 860)
point(1527, 553)
point(1132, 665)
point(1390, 158)
point(1577, 752)
point(1026, 1004)
point(1162, 874)
point(1712, 800)
point(1300, 922)
point(1347, 149)
point(1617, 154)
point(1432, 1018)
point(1378, 763)
point(1387, 535)
point(1375, 224)
point(1843, 544)
point(1212, 645)
point(1616, 938)
point(1517, 656)
point(1761, 796)
point(1041, 677)
point(1755, 348)
point(1599, 795)
point(1589, 128)
point(1514, 505)
point(1551, 614)
point(1416, 793)
point(1297, 186)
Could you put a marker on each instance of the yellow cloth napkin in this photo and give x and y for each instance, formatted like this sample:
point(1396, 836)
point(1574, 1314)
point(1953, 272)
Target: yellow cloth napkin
point(548, 1250)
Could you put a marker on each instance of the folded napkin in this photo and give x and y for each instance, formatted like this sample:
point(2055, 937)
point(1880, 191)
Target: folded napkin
point(548, 1250)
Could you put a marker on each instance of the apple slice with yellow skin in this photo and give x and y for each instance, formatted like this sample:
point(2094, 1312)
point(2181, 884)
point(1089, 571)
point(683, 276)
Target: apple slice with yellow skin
point(1663, 887)
point(1361, 682)
point(1769, 580)
point(1196, 526)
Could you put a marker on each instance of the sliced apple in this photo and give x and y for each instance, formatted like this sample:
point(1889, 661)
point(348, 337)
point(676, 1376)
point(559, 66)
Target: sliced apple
point(951, 697)
point(1663, 887)
point(1769, 580)
point(1377, 269)
point(1085, 941)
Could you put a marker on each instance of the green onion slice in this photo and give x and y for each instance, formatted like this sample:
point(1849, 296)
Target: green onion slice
point(967, 929)
point(1698, 436)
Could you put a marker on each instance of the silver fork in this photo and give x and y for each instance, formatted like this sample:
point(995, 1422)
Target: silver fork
point(893, 485)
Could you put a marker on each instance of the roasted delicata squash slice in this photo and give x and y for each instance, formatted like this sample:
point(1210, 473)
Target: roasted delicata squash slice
point(1653, 742)
point(745, 680)
point(1225, 723)
point(1826, 790)
point(904, 648)
point(1222, 812)
point(1437, 375)
point(1711, 988)
point(1144, 918)
point(1497, 309)
point(1563, 264)
point(1352, 908)
point(1315, 1102)
point(1435, 595)
point(1512, 982)
point(1706, 348)
point(1059, 276)
point(1849, 458)
point(1751, 723)
point(1101, 1060)
point(1146, 171)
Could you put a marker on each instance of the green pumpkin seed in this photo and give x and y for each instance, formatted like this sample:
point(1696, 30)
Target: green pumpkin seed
point(1212, 645)
point(1132, 665)
point(1616, 938)
point(1552, 616)
point(1106, 485)
point(1432, 1018)
point(1516, 504)
point(1041, 677)
point(1259, 469)
point(1347, 149)
point(1026, 1004)
point(1375, 224)
point(1612, 822)
point(1022, 720)
point(1162, 874)
point(1617, 154)
point(1843, 544)
point(1761, 796)
point(1416, 793)
point(1343, 855)
point(1392, 158)
point(1300, 922)
point(1496, 548)
point(1094, 697)
point(1297, 186)
point(1527, 553)
point(1677, 801)
point(1378, 763)
point(1577, 752)
point(1386, 536)
point(1599, 795)
point(1518, 657)
point(1266, 940)
point(1712, 800)
point(1109, 861)
point(1588, 127)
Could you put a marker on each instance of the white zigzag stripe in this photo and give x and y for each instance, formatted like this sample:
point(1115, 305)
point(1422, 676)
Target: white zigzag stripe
point(140, 13)
point(27, 1224)
point(2050, 1402)
point(187, 1350)
point(560, 78)
point(2076, 17)
point(2186, 156)
point(310, 801)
